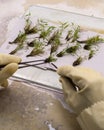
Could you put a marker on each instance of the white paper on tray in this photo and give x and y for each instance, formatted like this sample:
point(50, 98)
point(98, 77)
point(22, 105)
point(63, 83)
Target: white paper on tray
point(45, 76)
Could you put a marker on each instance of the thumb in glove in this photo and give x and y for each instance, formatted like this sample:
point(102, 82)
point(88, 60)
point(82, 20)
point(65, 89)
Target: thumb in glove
point(10, 63)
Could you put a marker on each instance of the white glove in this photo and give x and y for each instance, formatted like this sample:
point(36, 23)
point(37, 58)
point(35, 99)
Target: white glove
point(85, 102)
point(8, 66)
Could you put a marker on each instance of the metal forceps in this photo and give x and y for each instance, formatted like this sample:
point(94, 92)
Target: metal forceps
point(25, 64)
point(28, 63)
point(33, 63)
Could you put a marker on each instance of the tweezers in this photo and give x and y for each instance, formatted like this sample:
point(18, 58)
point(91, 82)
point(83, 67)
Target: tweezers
point(27, 63)
point(35, 63)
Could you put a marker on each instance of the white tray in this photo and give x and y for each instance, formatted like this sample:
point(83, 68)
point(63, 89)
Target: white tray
point(47, 77)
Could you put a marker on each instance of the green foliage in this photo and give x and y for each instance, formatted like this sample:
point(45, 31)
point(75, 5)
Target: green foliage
point(50, 59)
point(46, 35)
point(78, 61)
point(37, 49)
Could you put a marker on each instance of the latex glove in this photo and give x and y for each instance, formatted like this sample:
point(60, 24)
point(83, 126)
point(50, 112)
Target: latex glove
point(92, 118)
point(10, 63)
point(89, 82)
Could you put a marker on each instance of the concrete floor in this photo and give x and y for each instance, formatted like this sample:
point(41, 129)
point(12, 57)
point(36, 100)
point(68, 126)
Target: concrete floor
point(24, 107)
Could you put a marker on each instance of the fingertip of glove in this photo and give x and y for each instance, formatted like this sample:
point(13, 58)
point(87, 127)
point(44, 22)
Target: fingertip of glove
point(8, 58)
point(16, 59)
point(4, 84)
point(19, 59)
point(63, 70)
point(8, 71)
point(11, 68)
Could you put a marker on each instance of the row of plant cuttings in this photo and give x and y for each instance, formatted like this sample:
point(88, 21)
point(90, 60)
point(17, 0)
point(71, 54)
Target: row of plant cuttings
point(50, 34)
point(53, 37)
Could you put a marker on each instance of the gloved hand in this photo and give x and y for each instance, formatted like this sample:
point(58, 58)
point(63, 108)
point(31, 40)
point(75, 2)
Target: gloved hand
point(89, 82)
point(88, 99)
point(8, 66)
